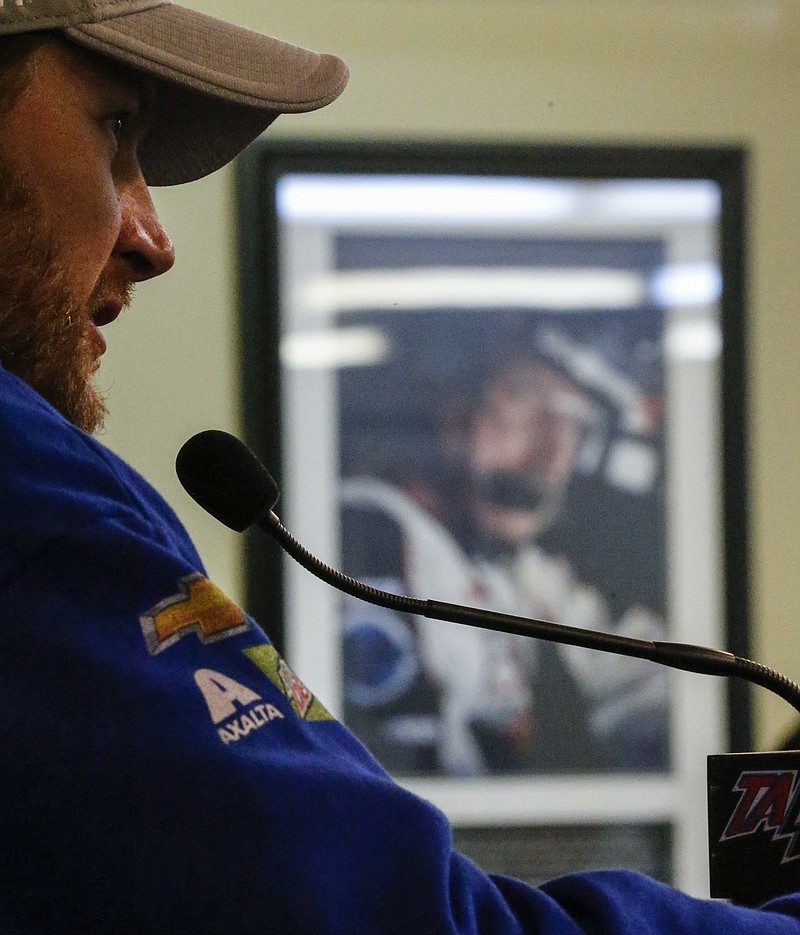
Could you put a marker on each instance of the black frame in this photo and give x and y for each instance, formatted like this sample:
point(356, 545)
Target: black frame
point(263, 163)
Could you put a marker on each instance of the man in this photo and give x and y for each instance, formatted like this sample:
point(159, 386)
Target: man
point(524, 446)
point(164, 770)
point(493, 525)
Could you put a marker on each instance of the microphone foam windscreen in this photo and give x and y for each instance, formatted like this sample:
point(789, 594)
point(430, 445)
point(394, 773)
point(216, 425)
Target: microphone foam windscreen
point(226, 479)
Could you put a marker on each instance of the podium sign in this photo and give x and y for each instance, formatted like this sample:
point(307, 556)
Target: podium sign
point(754, 825)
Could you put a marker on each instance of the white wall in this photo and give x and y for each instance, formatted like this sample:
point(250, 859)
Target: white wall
point(682, 71)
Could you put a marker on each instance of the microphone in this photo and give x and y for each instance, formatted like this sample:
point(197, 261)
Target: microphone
point(228, 481)
point(221, 474)
point(753, 798)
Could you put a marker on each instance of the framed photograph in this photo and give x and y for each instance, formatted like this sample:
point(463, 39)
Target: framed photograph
point(508, 377)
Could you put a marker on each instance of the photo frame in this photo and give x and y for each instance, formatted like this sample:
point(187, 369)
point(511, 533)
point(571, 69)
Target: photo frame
point(513, 377)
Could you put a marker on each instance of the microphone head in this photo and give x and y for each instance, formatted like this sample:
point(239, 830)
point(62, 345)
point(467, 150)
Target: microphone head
point(226, 479)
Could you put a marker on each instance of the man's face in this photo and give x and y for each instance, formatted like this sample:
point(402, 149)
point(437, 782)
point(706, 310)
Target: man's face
point(77, 225)
point(525, 440)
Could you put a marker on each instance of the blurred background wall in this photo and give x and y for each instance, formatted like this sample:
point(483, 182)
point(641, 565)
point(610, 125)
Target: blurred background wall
point(621, 71)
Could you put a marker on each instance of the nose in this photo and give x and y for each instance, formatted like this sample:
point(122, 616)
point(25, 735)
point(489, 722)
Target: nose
point(143, 243)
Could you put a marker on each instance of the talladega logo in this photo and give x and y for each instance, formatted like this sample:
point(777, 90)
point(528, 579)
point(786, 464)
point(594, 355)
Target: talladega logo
point(768, 801)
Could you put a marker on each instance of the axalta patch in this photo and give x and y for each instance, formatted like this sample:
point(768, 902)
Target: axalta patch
point(246, 723)
point(236, 709)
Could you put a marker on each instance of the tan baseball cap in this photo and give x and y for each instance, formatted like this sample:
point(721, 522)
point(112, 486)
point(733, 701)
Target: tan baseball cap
point(223, 85)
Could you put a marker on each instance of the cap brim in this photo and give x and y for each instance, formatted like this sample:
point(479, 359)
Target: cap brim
point(224, 84)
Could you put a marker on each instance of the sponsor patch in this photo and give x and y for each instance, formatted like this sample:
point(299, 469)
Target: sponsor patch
point(235, 709)
point(304, 704)
point(199, 607)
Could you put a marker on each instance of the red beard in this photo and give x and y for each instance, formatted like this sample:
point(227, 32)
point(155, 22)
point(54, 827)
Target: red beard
point(46, 337)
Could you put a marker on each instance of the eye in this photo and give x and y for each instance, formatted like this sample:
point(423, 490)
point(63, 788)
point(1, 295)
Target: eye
point(117, 124)
point(120, 127)
point(120, 119)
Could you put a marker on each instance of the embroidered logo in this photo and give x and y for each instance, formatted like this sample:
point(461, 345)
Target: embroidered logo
point(200, 607)
point(235, 708)
point(304, 704)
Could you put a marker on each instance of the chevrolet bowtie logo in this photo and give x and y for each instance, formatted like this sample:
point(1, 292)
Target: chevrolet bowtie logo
point(199, 607)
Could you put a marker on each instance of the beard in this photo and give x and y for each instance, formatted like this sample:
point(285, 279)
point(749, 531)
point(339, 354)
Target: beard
point(45, 334)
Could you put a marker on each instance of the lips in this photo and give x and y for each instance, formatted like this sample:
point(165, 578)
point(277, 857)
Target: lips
point(107, 312)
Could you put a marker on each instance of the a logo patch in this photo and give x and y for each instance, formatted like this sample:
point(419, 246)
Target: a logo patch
point(304, 704)
point(237, 709)
point(200, 607)
point(223, 693)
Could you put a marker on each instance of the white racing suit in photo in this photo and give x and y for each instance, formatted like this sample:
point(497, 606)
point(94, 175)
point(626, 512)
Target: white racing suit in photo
point(479, 684)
